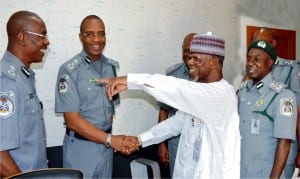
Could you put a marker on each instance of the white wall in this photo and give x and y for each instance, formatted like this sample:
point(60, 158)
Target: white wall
point(144, 36)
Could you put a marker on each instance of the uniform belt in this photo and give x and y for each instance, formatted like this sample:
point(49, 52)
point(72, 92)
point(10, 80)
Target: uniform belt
point(78, 136)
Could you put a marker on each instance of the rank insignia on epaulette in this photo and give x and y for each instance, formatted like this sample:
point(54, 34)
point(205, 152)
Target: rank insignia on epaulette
point(277, 86)
point(72, 64)
point(63, 85)
point(12, 70)
point(114, 63)
point(173, 68)
point(7, 104)
point(243, 84)
point(286, 106)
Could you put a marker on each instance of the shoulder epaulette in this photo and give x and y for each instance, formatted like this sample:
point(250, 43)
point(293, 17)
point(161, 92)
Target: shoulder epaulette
point(277, 86)
point(284, 62)
point(113, 62)
point(10, 72)
point(173, 68)
point(73, 64)
point(243, 84)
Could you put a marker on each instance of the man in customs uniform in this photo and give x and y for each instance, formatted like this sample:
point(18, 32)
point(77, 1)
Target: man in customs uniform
point(288, 72)
point(87, 111)
point(166, 154)
point(267, 116)
point(23, 141)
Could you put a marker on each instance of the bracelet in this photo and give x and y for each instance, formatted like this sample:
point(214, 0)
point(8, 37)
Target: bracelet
point(139, 140)
point(108, 140)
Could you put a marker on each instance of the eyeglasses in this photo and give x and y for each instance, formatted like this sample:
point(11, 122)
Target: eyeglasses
point(92, 35)
point(42, 36)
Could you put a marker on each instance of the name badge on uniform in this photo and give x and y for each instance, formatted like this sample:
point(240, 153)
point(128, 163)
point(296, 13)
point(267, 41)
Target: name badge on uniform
point(197, 149)
point(255, 124)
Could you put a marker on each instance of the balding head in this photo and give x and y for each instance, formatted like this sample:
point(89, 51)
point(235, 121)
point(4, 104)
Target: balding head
point(19, 21)
point(188, 38)
point(266, 34)
point(186, 45)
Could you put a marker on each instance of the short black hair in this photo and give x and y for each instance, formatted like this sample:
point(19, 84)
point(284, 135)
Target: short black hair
point(87, 18)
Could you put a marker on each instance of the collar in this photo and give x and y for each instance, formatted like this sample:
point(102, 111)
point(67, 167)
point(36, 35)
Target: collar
point(86, 58)
point(186, 69)
point(26, 71)
point(17, 63)
point(263, 85)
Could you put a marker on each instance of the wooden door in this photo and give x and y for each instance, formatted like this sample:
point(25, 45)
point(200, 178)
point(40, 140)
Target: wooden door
point(286, 41)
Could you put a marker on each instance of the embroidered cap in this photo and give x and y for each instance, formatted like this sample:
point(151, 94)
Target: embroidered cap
point(209, 44)
point(266, 47)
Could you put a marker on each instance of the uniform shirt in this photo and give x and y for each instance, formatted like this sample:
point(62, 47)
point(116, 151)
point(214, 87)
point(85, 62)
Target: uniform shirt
point(207, 112)
point(267, 112)
point(76, 92)
point(21, 115)
point(288, 72)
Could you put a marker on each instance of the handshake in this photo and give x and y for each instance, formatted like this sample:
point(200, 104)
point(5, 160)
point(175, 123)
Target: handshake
point(125, 144)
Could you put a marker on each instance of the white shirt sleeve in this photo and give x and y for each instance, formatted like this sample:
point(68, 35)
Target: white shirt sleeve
point(202, 100)
point(164, 130)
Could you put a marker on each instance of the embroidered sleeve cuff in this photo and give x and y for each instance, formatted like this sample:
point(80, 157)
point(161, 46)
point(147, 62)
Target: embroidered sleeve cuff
point(145, 139)
point(135, 81)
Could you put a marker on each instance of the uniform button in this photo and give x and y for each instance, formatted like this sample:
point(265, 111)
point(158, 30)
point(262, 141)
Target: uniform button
point(33, 110)
point(248, 102)
point(89, 89)
point(260, 170)
point(244, 120)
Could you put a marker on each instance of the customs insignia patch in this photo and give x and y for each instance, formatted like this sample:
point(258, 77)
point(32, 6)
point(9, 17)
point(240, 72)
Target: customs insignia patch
point(7, 104)
point(286, 106)
point(63, 85)
point(260, 102)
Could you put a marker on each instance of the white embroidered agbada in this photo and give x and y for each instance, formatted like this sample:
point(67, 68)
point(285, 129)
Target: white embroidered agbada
point(207, 111)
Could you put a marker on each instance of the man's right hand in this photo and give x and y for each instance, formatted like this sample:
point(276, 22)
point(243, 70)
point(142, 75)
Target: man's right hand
point(163, 153)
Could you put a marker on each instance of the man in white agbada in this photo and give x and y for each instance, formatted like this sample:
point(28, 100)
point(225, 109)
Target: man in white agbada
point(207, 119)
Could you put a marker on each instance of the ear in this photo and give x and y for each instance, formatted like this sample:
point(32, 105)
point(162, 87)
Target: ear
point(80, 37)
point(214, 62)
point(270, 62)
point(21, 38)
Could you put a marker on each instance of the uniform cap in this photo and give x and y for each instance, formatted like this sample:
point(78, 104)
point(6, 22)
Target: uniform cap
point(208, 44)
point(265, 46)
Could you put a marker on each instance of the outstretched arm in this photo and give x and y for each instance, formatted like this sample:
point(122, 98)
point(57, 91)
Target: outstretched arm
point(114, 85)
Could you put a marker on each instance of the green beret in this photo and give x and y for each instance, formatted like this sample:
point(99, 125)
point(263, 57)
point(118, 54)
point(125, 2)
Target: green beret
point(265, 46)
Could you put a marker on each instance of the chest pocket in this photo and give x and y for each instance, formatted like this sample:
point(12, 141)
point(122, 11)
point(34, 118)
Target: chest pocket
point(264, 111)
point(92, 93)
point(32, 104)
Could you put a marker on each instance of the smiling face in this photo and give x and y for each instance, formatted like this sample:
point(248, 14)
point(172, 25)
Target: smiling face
point(200, 66)
point(258, 64)
point(93, 38)
point(35, 40)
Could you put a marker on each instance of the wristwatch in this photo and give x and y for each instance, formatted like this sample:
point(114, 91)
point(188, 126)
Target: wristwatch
point(108, 140)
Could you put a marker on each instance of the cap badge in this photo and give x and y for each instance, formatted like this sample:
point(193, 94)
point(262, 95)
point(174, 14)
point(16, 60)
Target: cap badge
point(261, 44)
